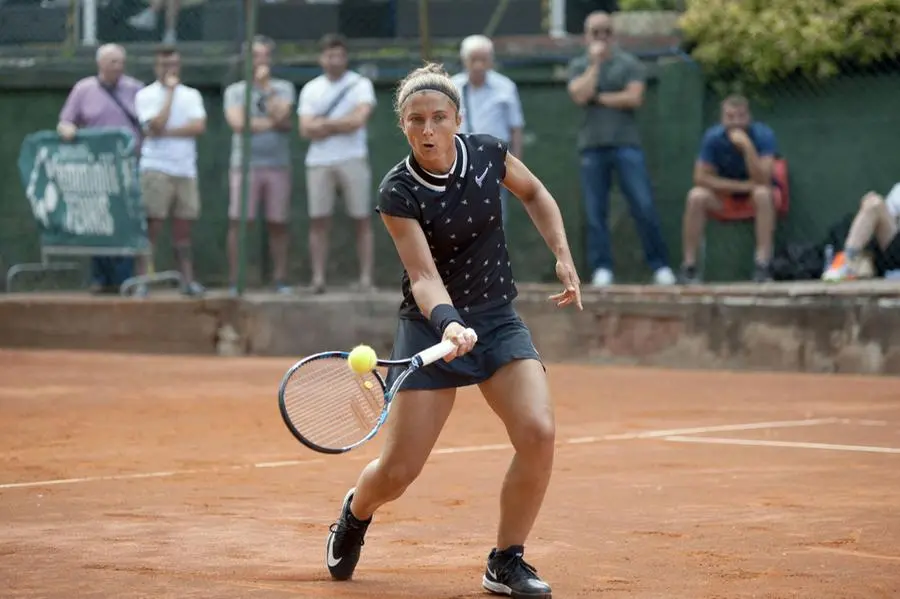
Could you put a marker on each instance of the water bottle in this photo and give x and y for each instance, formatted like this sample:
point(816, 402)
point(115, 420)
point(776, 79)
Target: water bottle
point(829, 256)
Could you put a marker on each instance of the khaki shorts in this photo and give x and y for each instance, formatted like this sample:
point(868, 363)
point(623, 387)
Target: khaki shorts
point(269, 185)
point(165, 195)
point(354, 180)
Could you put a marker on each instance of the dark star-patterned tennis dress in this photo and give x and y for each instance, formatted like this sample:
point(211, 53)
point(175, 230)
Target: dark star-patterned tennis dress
point(461, 216)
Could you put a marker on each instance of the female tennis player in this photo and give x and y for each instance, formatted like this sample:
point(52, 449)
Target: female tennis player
point(441, 206)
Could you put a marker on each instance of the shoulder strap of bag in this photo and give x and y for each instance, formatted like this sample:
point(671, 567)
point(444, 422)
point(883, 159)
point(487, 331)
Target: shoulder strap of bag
point(340, 96)
point(131, 117)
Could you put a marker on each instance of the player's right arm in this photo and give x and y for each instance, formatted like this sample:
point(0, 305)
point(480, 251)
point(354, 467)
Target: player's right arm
point(412, 246)
point(425, 281)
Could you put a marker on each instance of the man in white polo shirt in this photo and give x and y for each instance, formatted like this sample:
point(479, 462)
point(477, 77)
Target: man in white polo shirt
point(334, 109)
point(490, 100)
point(172, 116)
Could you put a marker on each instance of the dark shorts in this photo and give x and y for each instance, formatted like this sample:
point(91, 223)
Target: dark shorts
point(502, 338)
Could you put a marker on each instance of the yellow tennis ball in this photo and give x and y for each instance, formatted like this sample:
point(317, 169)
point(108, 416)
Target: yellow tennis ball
point(362, 359)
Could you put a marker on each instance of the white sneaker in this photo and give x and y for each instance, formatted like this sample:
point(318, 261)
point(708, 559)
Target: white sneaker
point(602, 277)
point(664, 276)
point(169, 37)
point(146, 19)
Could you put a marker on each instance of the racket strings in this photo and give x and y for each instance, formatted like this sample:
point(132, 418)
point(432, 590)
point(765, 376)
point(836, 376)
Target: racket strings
point(330, 405)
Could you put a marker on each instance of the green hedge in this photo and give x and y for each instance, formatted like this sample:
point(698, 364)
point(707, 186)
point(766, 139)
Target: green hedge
point(747, 44)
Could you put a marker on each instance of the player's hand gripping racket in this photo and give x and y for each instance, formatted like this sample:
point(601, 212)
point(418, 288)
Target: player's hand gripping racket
point(331, 409)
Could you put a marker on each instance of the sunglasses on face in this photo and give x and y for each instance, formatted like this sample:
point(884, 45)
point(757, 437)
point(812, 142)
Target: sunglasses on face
point(601, 32)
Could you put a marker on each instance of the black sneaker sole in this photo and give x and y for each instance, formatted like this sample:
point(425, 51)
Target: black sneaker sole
point(501, 589)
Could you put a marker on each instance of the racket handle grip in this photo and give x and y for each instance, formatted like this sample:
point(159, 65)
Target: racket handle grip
point(437, 351)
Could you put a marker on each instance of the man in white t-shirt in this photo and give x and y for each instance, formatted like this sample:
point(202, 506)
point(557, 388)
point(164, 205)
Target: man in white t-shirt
point(334, 109)
point(879, 219)
point(172, 116)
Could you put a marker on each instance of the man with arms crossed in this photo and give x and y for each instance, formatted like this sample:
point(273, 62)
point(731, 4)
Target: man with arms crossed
point(608, 83)
point(173, 116)
point(271, 105)
point(334, 109)
point(735, 160)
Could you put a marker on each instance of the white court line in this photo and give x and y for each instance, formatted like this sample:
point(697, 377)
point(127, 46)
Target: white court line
point(708, 429)
point(449, 450)
point(793, 444)
point(163, 474)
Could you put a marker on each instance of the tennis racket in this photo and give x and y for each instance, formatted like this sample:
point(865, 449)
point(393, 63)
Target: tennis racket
point(331, 409)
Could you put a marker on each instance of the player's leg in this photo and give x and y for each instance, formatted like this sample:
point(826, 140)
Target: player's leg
point(184, 213)
point(518, 393)
point(234, 216)
point(414, 425)
point(321, 188)
point(278, 211)
point(355, 178)
point(699, 202)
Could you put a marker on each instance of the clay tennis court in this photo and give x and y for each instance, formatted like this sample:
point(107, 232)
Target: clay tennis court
point(139, 476)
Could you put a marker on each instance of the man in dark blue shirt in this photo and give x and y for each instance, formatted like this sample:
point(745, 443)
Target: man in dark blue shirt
point(734, 164)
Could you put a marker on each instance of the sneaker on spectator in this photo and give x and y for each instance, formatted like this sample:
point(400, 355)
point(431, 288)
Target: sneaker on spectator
point(282, 288)
point(841, 269)
point(664, 276)
point(689, 275)
point(602, 277)
point(761, 272)
point(193, 289)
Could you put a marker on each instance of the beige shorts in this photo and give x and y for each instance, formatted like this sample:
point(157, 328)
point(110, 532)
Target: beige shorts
point(269, 185)
point(164, 195)
point(352, 178)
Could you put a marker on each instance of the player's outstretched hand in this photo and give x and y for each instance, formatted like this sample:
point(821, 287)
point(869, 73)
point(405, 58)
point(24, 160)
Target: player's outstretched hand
point(571, 294)
point(463, 338)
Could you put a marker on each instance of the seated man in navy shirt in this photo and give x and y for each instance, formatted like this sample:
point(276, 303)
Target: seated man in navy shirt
point(735, 161)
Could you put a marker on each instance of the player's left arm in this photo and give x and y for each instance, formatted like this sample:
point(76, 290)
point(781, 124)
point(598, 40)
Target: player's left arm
point(547, 218)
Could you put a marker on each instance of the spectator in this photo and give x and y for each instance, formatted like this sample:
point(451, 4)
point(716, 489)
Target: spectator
point(271, 105)
point(609, 84)
point(334, 109)
point(106, 100)
point(148, 19)
point(878, 218)
point(173, 116)
point(490, 100)
point(735, 161)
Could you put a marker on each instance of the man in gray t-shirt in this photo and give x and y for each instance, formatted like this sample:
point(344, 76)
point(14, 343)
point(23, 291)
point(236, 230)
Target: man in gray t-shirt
point(271, 109)
point(609, 84)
